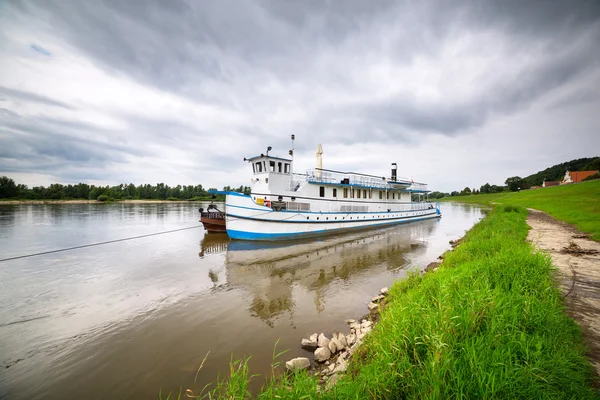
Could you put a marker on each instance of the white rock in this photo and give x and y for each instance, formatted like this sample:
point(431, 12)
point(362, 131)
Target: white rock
point(322, 354)
point(384, 291)
point(314, 337)
point(373, 306)
point(351, 339)
point(309, 344)
point(350, 321)
point(343, 341)
point(340, 366)
point(322, 341)
point(366, 324)
point(343, 355)
point(355, 325)
point(332, 347)
point(296, 364)
point(377, 299)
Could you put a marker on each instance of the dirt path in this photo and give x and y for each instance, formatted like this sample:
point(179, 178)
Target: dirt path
point(578, 261)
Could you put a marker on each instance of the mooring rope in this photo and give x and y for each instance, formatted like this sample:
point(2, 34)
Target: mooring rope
point(97, 244)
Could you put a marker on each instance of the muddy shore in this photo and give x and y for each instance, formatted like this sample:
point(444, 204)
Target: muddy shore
point(577, 258)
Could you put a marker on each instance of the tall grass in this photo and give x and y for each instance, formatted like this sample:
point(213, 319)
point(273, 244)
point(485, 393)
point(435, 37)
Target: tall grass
point(488, 324)
point(577, 204)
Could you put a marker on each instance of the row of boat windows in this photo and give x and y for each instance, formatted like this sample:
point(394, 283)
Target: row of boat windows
point(364, 217)
point(278, 167)
point(357, 193)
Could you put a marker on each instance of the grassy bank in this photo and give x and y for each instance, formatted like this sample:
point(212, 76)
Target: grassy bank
point(489, 323)
point(575, 204)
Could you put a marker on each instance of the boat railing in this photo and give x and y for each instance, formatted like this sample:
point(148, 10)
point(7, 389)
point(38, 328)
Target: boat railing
point(418, 187)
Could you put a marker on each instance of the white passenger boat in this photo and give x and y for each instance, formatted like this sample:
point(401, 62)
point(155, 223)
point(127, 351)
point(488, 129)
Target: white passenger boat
point(287, 205)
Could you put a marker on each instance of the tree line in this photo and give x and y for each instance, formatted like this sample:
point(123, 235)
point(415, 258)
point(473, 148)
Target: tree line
point(56, 191)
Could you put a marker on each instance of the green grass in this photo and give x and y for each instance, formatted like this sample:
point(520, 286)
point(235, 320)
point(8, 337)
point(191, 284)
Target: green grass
point(488, 324)
point(577, 204)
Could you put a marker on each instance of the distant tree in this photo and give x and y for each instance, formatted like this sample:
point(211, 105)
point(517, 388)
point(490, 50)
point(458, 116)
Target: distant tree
point(8, 188)
point(514, 183)
point(455, 193)
point(437, 195)
point(465, 191)
point(485, 188)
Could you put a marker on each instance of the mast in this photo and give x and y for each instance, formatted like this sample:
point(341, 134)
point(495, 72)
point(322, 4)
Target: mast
point(292, 155)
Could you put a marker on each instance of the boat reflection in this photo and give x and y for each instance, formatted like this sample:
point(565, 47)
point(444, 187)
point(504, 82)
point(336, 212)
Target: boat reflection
point(270, 271)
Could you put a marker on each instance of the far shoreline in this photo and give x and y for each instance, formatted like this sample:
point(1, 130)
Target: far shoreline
point(81, 201)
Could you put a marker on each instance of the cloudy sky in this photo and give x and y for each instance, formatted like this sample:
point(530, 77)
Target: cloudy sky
point(457, 93)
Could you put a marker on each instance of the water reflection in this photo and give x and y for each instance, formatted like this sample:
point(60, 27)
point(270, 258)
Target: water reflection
point(270, 271)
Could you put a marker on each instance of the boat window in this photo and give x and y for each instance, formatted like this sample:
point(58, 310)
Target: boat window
point(264, 165)
point(345, 193)
point(393, 196)
point(387, 195)
point(352, 194)
point(358, 194)
point(253, 168)
point(334, 192)
point(380, 195)
point(279, 167)
point(321, 191)
point(287, 168)
point(259, 167)
point(365, 194)
point(272, 166)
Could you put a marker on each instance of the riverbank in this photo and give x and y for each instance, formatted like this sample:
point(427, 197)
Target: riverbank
point(488, 323)
point(577, 204)
point(81, 201)
point(577, 258)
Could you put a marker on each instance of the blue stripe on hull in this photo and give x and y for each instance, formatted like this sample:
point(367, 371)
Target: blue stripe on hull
point(242, 235)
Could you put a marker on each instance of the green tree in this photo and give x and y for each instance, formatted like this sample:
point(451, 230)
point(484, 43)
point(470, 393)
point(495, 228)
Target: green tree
point(514, 183)
point(8, 188)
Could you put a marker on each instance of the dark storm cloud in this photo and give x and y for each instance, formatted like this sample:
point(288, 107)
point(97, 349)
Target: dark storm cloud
point(21, 95)
point(264, 60)
point(33, 139)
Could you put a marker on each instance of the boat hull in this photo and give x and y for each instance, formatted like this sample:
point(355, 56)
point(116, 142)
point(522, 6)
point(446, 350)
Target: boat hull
point(213, 223)
point(247, 220)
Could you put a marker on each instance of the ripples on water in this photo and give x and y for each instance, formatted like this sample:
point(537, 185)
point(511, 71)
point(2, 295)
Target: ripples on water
point(123, 320)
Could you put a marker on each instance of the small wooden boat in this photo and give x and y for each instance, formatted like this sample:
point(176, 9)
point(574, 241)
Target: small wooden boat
point(213, 219)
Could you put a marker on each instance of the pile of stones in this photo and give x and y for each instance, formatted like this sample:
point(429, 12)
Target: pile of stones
point(332, 355)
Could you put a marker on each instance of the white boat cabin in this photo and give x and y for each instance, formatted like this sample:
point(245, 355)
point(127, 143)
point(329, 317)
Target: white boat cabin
point(275, 185)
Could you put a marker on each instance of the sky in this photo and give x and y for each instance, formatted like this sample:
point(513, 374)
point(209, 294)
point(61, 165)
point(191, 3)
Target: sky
point(456, 93)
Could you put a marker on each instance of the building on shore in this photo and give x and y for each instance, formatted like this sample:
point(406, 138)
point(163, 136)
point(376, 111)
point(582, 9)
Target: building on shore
point(550, 183)
point(576, 176)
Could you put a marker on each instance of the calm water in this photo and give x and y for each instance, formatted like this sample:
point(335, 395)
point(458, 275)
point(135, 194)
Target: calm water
point(123, 320)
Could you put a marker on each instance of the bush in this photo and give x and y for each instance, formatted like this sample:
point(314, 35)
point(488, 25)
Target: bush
point(511, 208)
point(102, 198)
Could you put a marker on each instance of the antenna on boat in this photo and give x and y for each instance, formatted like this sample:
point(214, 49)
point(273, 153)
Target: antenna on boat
point(292, 155)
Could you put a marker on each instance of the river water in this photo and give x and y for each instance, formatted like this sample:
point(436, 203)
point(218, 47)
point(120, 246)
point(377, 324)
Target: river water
point(126, 319)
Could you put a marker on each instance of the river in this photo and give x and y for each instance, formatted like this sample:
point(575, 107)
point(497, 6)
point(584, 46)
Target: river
point(126, 319)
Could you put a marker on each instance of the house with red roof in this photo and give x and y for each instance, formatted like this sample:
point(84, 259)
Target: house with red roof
point(576, 176)
point(550, 183)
